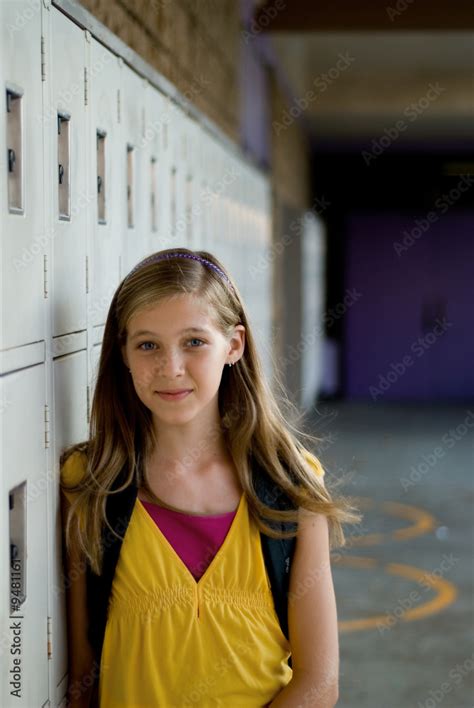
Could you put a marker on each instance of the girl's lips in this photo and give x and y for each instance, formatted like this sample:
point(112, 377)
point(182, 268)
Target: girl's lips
point(173, 396)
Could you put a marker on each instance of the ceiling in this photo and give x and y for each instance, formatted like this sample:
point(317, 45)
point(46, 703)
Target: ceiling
point(357, 77)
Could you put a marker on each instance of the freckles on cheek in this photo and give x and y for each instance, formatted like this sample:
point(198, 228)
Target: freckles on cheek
point(143, 378)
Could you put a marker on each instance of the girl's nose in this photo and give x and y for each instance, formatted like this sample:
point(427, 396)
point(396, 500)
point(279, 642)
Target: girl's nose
point(169, 364)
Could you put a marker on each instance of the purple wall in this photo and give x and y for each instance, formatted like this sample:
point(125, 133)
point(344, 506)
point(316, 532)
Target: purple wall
point(403, 298)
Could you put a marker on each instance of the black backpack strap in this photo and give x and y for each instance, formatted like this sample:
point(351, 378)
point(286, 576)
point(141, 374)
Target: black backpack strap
point(278, 553)
point(119, 509)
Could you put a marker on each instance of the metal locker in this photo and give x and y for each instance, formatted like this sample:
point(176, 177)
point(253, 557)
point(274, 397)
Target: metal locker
point(193, 188)
point(106, 179)
point(312, 283)
point(246, 231)
point(24, 551)
point(183, 225)
point(205, 193)
point(211, 178)
point(173, 177)
point(254, 283)
point(220, 188)
point(156, 166)
point(266, 255)
point(178, 177)
point(135, 150)
point(232, 178)
point(94, 361)
point(190, 179)
point(24, 240)
point(164, 113)
point(70, 425)
point(215, 182)
point(214, 202)
point(239, 235)
point(64, 118)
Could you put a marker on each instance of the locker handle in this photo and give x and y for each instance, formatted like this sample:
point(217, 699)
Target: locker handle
point(61, 173)
point(11, 160)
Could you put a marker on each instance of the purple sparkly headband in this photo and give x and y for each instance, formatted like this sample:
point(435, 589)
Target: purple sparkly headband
point(159, 257)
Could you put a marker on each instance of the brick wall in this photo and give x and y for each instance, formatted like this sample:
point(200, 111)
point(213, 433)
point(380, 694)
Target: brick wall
point(195, 45)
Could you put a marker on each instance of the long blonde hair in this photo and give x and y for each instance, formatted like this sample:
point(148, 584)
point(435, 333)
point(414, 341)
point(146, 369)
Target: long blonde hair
point(252, 423)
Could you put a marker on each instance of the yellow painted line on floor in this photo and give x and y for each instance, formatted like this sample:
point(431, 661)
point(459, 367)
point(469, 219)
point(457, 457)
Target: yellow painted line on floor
point(369, 539)
point(422, 522)
point(446, 593)
point(367, 623)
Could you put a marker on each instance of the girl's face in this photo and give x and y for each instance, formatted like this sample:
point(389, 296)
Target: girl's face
point(176, 346)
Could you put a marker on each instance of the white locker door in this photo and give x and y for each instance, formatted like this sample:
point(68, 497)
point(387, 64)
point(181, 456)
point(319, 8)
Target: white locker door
point(65, 123)
point(234, 231)
point(185, 221)
point(107, 178)
point(95, 360)
point(210, 181)
point(177, 196)
point(23, 239)
point(24, 549)
point(156, 165)
point(135, 206)
point(266, 257)
point(194, 176)
point(246, 228)
point(313, 246)
point(204, 202)
point(240, 244)
point(70, 426)
point(165, 118)
point(219, 189)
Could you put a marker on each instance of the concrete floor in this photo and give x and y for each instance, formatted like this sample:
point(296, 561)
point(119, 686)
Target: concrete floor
point(419, 582)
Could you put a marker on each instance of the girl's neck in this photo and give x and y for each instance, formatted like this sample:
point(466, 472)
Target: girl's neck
point(194, 463)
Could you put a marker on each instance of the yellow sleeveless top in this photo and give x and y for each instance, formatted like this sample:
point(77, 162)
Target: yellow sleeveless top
point(173, 641)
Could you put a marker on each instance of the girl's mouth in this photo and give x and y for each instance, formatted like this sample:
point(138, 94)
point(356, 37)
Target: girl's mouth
point(173, 396)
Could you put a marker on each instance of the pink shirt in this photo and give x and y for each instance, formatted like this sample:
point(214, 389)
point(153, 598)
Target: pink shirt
point(196, 539)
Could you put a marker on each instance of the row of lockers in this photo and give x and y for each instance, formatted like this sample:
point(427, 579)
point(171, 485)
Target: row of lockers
point(101, 169)
point(98, 169)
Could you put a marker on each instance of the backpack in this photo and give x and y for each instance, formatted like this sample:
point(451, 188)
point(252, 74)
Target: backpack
point(278, 553)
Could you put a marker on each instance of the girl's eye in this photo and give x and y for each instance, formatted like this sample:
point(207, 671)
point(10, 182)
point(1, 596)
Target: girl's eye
point(194, 339)
point(141, 345)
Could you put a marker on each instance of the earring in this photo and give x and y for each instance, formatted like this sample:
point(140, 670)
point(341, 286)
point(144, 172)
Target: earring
point(229, 364)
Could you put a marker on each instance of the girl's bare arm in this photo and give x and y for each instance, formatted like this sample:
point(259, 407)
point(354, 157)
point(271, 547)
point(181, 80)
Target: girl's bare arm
point(312, 620)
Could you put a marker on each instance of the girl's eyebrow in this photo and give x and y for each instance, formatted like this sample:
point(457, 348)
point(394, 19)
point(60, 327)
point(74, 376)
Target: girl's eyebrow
point(183, 331)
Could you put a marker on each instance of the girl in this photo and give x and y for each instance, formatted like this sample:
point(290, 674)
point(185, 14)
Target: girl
point(182, 415)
